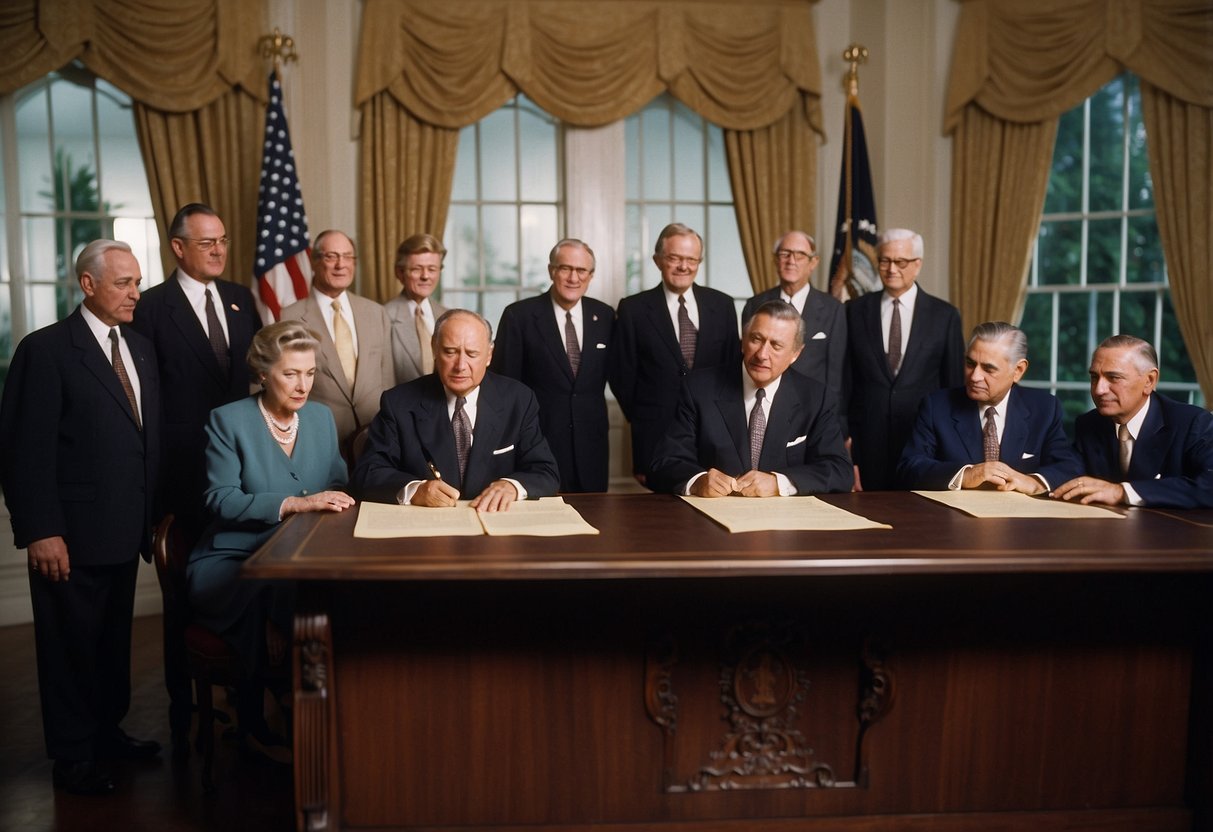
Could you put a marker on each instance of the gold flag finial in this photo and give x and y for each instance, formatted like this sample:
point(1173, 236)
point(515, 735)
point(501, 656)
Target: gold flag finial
point(855, 54)
point(278, 47)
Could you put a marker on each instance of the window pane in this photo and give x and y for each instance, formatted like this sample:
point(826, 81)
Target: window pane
point(1065, 182)
point(1107, 147)
point(75, 167)
point(464, 185)
point(497, 156)
point(1104, 323)
point(33, 150)
point(1103, 251)
point(726, 262)
point(1073, 327)
point(122, 180)
point(494, 303)
point(655, 152)
point(637, 251)
point(1145, 262)
point(689, 168)
point(631, 139)
point(462, 264)
point(463, 300)
point(537, 152)
point(1137, 314)
point(720, 189)
point(1175, 364)
point(41, 305)
point(1037, 324)
point(499, 234)
point(1141, 187)
point(539, 234)
point(40, 251)
point(1074, 403)
point(143, 238)
point(1059, 252)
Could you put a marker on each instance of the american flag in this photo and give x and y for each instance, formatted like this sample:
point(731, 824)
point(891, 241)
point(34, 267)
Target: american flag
point(283, 267)
point(853, 265)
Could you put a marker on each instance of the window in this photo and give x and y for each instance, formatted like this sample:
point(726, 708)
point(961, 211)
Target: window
point(72, 172)
point(1097, 268)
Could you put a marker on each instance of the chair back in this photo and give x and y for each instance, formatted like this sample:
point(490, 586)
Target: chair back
point(354, 446)
point(170, 555)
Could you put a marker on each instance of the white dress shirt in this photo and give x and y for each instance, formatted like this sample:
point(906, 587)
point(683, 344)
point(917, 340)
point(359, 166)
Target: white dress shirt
point(195, 293)
point(671, 304)
point(559, 311)
point(799, 298)
point(102, 333)
point(1134, 425)
point(907, 299)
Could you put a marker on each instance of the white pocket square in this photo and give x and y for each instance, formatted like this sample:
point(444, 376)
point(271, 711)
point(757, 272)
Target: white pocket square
point(797, 440)
point(818, 337)
point(1027, 456)
point(600, 346)
point(504, 450)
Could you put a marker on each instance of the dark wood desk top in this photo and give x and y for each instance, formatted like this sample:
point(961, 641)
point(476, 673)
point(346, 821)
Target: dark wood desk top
point(658, 536)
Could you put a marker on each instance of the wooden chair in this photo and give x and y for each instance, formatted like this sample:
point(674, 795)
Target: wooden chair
point(354, 445)
point(209, 659)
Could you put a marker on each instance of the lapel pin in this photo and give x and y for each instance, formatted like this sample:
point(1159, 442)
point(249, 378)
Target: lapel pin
point(235, 308)
point(594, 317)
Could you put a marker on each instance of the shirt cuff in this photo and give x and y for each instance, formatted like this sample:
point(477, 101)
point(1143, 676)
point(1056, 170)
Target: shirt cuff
point(521, 491)
point(405, 497)
point(786, 489)
point(1131, 495)
point(954, 483)
point(686, 489)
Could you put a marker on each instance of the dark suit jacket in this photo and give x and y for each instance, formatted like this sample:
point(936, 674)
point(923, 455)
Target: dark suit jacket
point(880, 407)
point(412, 430)
point(710, 430)
point(822, 357)
point(1172, 463)
point(191, 383)
point(73, 462)
point(647, 366)
point(572, 409)
point(948, 435)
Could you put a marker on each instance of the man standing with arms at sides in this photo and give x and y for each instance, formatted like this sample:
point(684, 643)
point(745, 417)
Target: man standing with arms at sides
point(902, 345)
point(991, 433)
point(459, 433)
point(760, 432)
point(355, 360)
point(80, 424)
point(1139, 447)
point(662, 334)
point(558, 344)
point(201, 327)
point(412, 313)
point(824, 318)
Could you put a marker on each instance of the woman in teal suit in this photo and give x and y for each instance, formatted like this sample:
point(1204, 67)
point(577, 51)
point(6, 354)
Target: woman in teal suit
point(268, 456)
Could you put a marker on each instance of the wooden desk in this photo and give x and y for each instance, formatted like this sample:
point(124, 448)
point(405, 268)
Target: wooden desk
point(949, 674)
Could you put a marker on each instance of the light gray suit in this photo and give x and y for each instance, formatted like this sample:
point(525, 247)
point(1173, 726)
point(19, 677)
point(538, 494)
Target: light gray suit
point(352, 408)
point(406, 349)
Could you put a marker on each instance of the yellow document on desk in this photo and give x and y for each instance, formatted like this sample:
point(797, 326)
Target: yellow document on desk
point(545, 517)
point(752, 514)
point(982, 503)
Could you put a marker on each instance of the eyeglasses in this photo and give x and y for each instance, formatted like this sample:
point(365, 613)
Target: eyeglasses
point(899, 262)
point(792, 254)
point(675, 260)
point(208, 243)
point(564, 270)
point(332, 258)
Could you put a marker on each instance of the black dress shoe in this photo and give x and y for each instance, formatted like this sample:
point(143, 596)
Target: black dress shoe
point(82, 777)
point(120, 746)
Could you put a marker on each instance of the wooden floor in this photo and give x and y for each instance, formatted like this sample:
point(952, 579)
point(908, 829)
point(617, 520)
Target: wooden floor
point(162, 794)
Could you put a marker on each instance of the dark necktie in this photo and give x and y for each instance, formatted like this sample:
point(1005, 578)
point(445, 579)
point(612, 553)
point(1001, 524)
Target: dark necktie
point(895, 338)
point(214, 331)
point(758, 428)
point(687, 334)
point(570, 343)
point(1126, 449)
point(123, 378)
point(990, 437)
point(463, 436)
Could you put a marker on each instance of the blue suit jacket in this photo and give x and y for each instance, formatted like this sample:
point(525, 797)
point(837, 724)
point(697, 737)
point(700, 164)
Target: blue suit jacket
point(948, 435)
point(1172, 462)
point(647, 365)
point(802, 441)
point(572, 409)
point(413, 430)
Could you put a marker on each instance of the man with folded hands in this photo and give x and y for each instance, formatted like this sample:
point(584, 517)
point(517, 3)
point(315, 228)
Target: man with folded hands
point(991, 433)
point(761, 432)
point(459, 432)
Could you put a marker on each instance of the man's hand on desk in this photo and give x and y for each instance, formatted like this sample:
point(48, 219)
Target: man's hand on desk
point(1087, 490)
point(1001, 476)
point(757, 484)
point(715, 483)
point(496, 497)
point(435, 494)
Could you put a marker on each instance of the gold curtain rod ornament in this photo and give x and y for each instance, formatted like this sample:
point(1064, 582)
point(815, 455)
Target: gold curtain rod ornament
point(278, 47)
point(855, 54)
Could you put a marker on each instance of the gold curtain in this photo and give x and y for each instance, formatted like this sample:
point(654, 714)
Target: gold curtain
point(1024, 63)
point(742, 65)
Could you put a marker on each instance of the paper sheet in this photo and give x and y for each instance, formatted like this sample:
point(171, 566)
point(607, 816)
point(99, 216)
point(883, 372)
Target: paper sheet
point(546, 517)
point(749, 514)
point(982, 503)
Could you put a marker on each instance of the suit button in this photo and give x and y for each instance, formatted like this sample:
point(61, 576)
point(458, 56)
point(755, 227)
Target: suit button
point(304, 492)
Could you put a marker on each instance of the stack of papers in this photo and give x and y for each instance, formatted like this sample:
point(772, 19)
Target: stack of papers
point(750, 514)
point(545, 517)
point(982, 503)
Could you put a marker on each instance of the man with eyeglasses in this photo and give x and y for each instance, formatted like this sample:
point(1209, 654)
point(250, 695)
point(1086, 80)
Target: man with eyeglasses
point(824, 318)
point(355, 365)
point(662, 334)
point(413, 312)
point(901, 345)
point(201, 327)
point(558, 344)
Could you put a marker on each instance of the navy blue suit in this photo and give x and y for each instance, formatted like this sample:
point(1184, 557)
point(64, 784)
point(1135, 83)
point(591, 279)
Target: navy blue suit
point(710, 430)
point(647, 365)
point(948, 435)
point(75, 464)
point(412, 430)
point(572, 409)
point(1172, 463)
point(880, 406)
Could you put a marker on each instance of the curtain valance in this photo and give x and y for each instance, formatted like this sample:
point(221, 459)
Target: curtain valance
point(175, 57)
point(741, 66)
point(1032, 60)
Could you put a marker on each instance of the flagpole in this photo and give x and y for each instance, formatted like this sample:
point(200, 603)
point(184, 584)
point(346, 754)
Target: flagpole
point(854, 233)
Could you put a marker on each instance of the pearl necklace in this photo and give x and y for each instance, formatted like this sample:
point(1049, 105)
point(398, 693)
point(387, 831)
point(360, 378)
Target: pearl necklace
point(291, 430)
